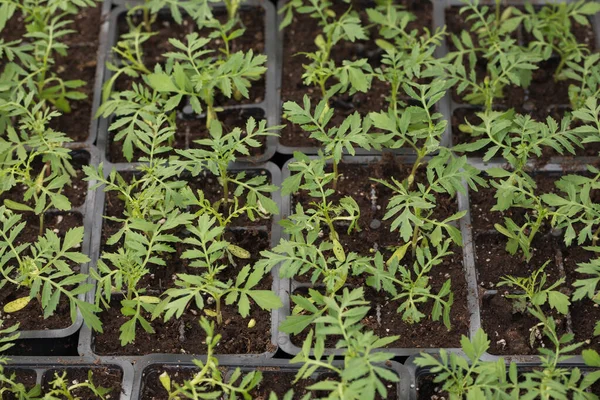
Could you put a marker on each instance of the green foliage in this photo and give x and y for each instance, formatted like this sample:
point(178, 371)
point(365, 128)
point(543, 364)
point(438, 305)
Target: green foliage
point(518, 138)
point(309, 174)
point(315, 258)
point(47, 24)
point(191, 71)
point(412, 288)
point(362, 376)
point(412, 211)
point(551, 28)
point(574, 207)
point(352, 75)
point(61, 388)
point(469, 377)
point(216, 153)
point(208, 382)
point(44, 268)
point(507, 62)
point(586, 286)
point(353, 131)
point(20, 154)
point(587, 80)
point(209, 253)
point(535, 293)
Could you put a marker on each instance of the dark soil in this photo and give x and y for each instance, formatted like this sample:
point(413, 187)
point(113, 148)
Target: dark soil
point(32, 316)
point(509, 331)
point(105, 377)
point(482, 201)
point(273, 380)
point(427, 389)
point(253, 19)
point(544, 93)
point(27, 377)
point(493, 262)
point(373, 198)
point(300, 36)
point(78, 64)
point(191, 129)
point(76, 192)
point(584, 313)
point(185, 335)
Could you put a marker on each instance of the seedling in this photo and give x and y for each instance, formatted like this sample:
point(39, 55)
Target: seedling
point(362, 375)
point(208, 382)
point(412, 211)
point(413, 288)
point(587, 285)
point(191, 71)
point(19, 152)
point(535, 293)
point(208, 253)
point(507, 62)
point(587, 80)
point(575, 206)
point(310, 175)
point(353, 131)
point(551, 27)
point(43, 268)
point(61, 388)
point(351, 75)
point(312, 257)
point(217, 152)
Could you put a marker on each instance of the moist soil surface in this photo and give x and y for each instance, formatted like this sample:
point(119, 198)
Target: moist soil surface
point(32, 316)
point(165, 28)
point(273, 380)
point(300, 36)
point(79, 64)
point(509, 331)
point(76, 191)
point(544, 93)
point(105, 377)
point(584, 313)
point(184, 335)
point(27, 377)
point(189, 130)
point(373, 199)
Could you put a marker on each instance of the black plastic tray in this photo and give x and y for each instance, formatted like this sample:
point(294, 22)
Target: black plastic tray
point(267, 105)
point(86, 341)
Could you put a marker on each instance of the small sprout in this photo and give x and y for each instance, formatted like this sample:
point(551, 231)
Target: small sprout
point(252, 323)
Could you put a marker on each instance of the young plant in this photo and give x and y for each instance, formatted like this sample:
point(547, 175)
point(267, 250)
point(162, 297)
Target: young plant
point(209, 382)
point(43, 268)
point(532, 291)
point(362, 375)
point(418, 127)
point(309, 174)
point(192, 71)
point(353, 131)
point(20, 150)
point(217, 152)
point(575, 207)
point(470, 377)
point(211, 255)
point(518, 138)
point(351, 75)
point(412, 211)
point(61, 388)
point(413, 288)
point(587, 285)
point(587, 80)
point(46, 25)
point(311, 256)
point(150, 9)
point(551, 27)
point(507, 62)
